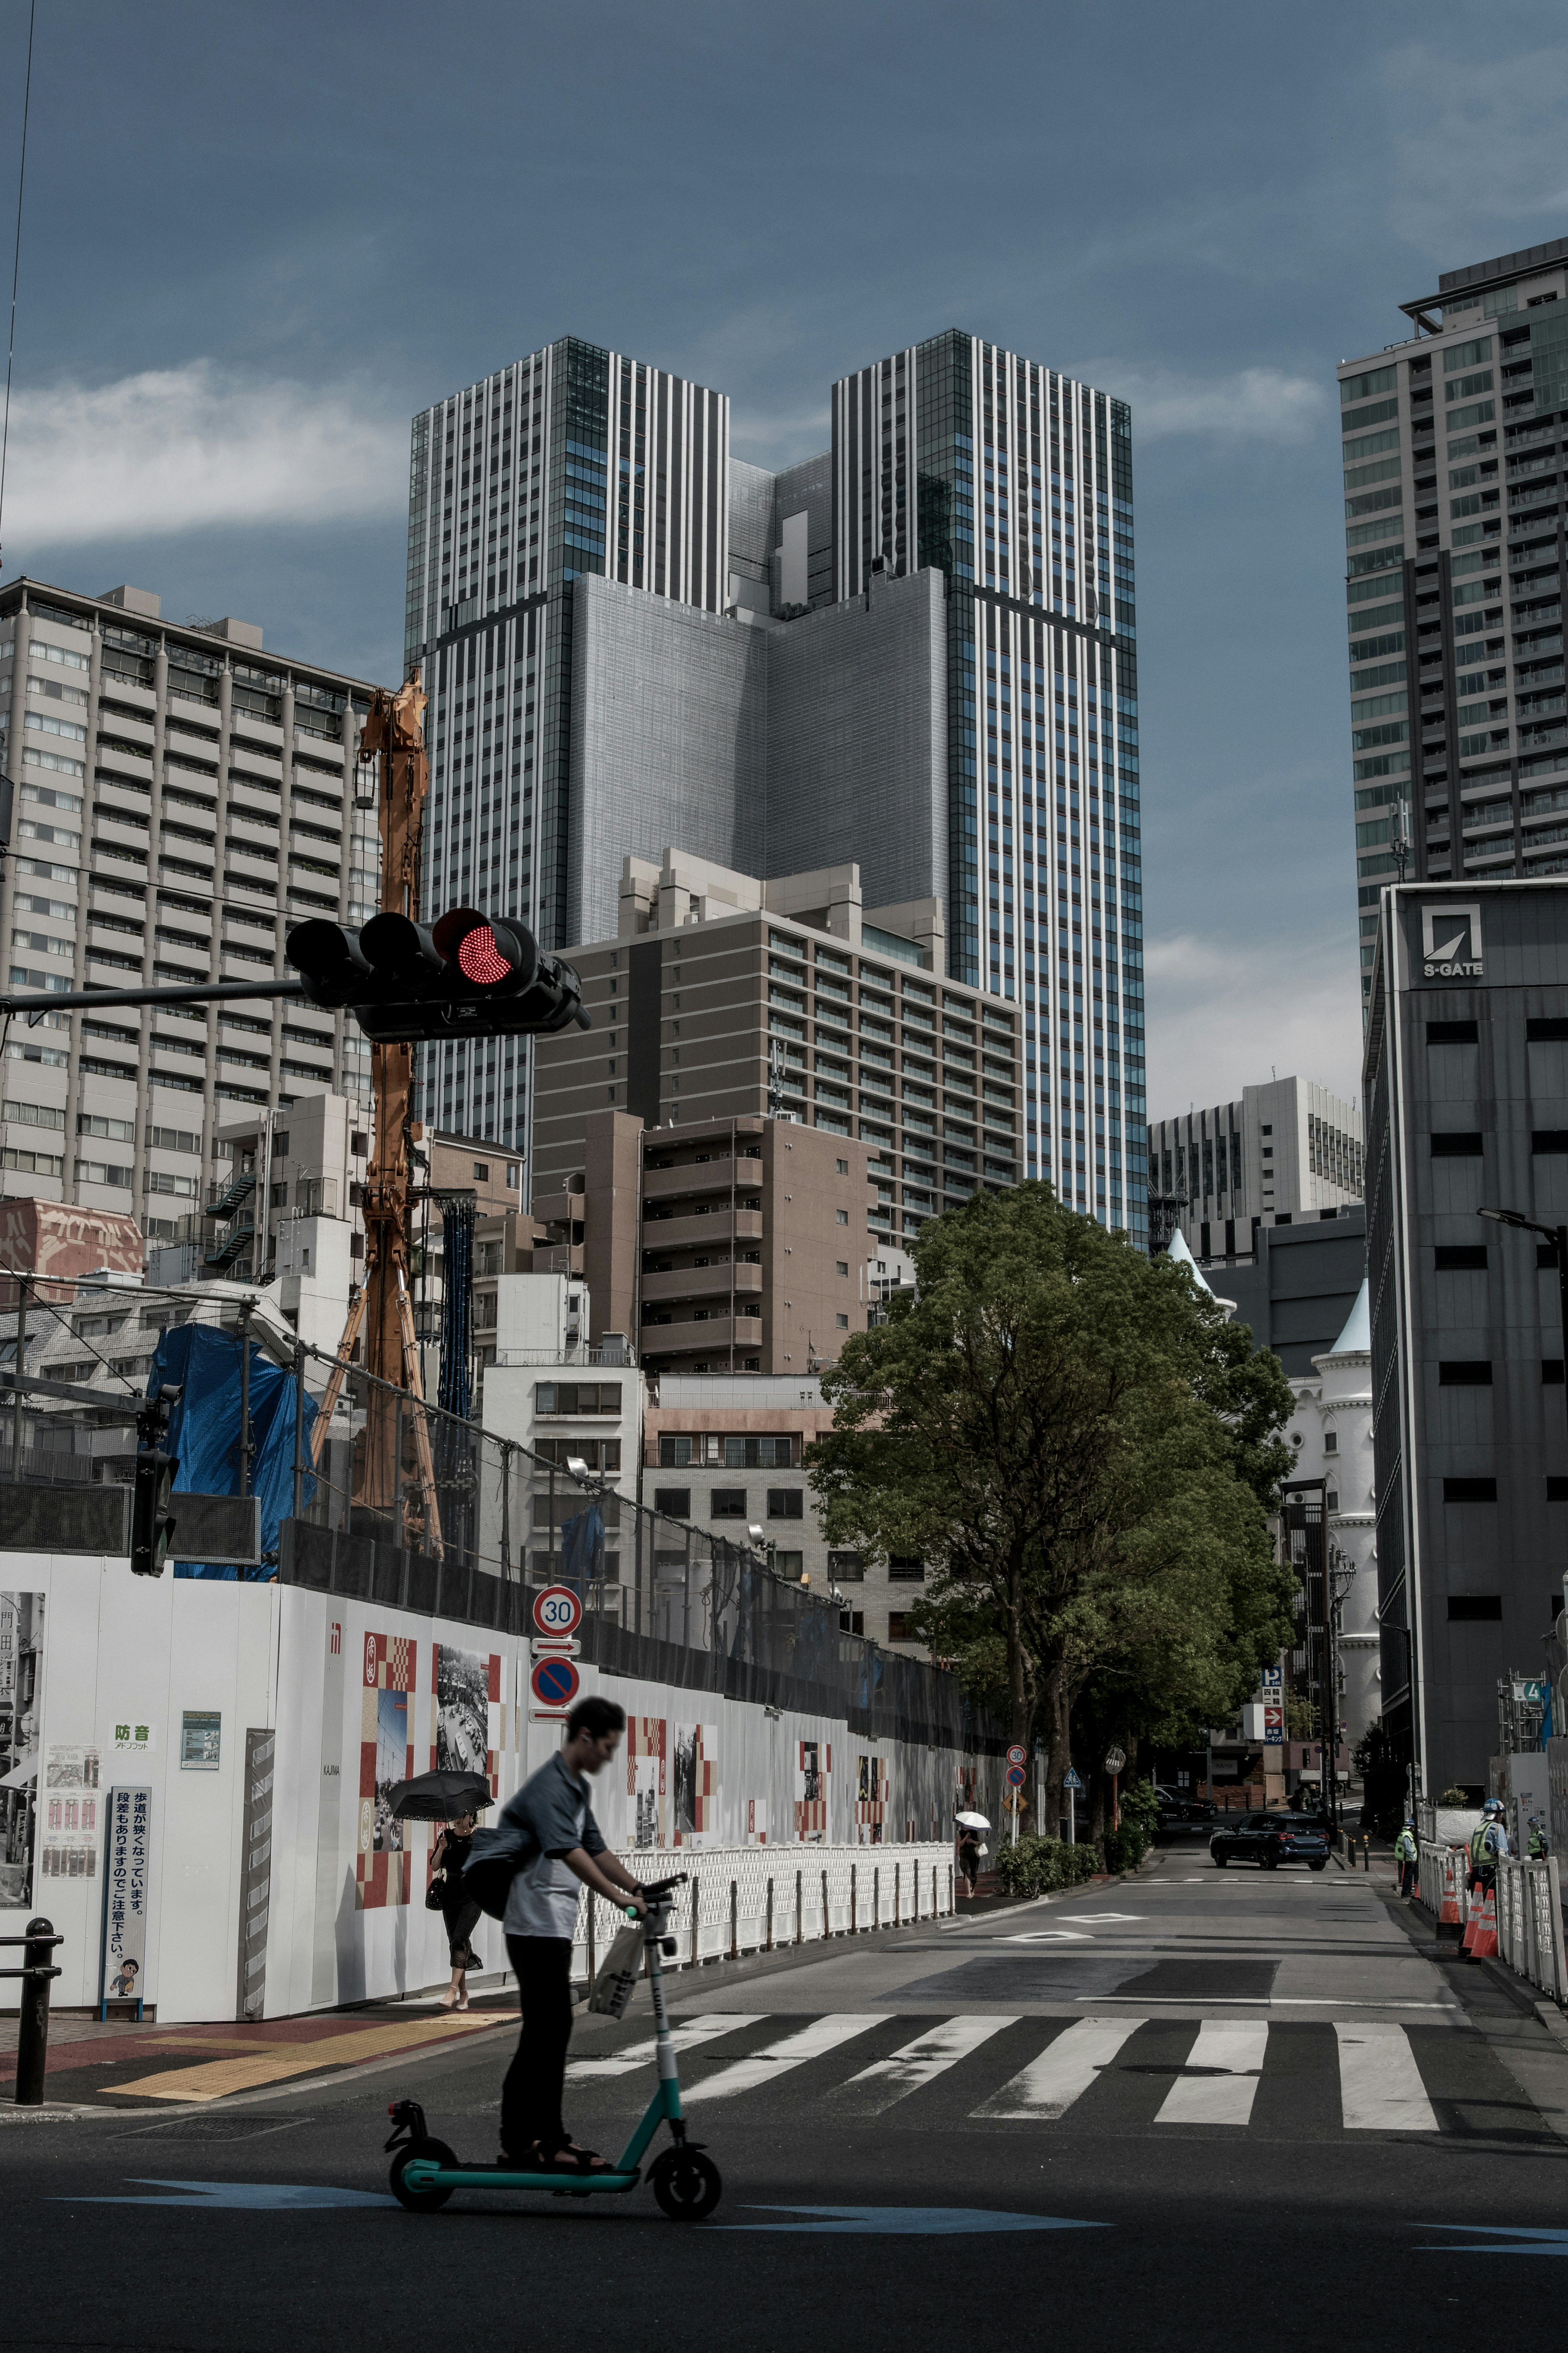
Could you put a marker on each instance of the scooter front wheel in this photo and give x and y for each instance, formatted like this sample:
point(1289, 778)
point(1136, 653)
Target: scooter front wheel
point(686, 2184)
point(420, 2201)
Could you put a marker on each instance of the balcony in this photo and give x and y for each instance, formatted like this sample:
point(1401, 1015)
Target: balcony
point(703, 1282)
point(716, 1336)
point(705, 1177)
point(720, 1225)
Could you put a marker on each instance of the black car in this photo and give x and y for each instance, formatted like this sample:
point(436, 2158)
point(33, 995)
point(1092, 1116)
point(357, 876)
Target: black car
point(1182, 1805)
point(1270, 1840)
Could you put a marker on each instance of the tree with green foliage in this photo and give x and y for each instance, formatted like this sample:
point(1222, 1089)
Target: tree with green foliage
point(1083, 1453)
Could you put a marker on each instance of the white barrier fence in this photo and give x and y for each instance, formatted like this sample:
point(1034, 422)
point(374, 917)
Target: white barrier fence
point(1529, 1930)
point(759, 1899)
point(1529, 1923)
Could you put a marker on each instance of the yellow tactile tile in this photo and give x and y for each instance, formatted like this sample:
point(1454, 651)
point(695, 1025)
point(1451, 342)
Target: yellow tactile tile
point(274, 2062)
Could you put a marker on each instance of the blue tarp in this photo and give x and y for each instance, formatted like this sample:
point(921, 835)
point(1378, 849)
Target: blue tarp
point(203, 1364)
point(583, 1548)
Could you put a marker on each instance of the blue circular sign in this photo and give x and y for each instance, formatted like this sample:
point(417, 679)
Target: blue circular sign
point(554, 1683)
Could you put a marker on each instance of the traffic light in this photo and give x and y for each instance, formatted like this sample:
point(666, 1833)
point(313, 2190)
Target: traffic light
point(467, 975)
point(152, 1521)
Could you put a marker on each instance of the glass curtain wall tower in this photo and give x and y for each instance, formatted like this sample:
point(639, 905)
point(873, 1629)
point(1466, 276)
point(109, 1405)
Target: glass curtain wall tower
point(1016, 484)
point(574, 460)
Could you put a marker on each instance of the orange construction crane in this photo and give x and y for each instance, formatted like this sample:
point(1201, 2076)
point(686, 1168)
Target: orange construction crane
point(392, 735)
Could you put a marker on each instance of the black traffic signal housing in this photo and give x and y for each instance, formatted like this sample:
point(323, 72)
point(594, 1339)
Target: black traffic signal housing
point(153, 1486)
point(469, 975)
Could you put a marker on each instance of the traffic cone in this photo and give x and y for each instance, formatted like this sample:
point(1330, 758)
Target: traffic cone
point(1472, 1922)
point(1449, 1903)
point(1486, 1927)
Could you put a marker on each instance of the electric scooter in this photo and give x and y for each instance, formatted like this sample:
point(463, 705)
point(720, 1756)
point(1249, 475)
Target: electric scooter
point(685, 2180)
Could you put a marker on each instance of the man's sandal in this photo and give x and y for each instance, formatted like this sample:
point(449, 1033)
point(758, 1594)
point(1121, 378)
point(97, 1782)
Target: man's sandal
point(573, 2157)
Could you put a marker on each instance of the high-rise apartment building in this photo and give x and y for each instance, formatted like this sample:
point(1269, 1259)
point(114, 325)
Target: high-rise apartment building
point(181, 796)
point(1456, 442)
point(1287, 1150)
point(914, 653)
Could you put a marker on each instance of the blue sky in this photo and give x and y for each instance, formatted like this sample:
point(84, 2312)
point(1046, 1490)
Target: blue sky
point(255, 241)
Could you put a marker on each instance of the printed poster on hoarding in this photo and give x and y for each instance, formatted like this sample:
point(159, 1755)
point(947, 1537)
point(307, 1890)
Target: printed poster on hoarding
point(21, 1703)
point(646, 1779)
point(386, 1755)
point(696, 1779)
point(813, 1764)
point(127, 1852)
point(470, 1715)
point(72, 1813)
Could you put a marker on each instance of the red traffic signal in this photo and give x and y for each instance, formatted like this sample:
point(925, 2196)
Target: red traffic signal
point(494, 957)
point(468, 975)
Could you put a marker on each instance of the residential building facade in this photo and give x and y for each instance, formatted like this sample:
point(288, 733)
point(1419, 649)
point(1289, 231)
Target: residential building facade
point(1467, 1092)
point(181, 798)
point(631, 639)
point(724, 996)
point(1456, 446)
point(1284, 1151)
point(1331, 1430)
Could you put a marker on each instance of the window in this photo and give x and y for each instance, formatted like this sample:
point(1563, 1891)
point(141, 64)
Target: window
point(727, 1504)
point(852, 1621)
point(906, 1568)
point(846, 1568)
point(843, 1265)
point(899, 1627)
point(842, 1167)
point(786, 1503)
point(1475, 1605)
point(1469, 1491)
point(1456, 1143)
point(675, 1501)
point(1549, 1140)
point(789, 1564)
point(842, 1215)
point(1546, 1031)
point(577, 1397)
point(481, 1172)
point(1465, 1373)
point(1557, 1491)
point(1331, 1441)
point(359, 1143)
point(842, 1322)
point(1452, 1258)
point(1452, 1033)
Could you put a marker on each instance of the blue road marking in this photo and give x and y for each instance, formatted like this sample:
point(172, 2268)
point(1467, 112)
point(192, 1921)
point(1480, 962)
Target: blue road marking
point(1497, 2239)
point(268, 2197)
point(906, 2222)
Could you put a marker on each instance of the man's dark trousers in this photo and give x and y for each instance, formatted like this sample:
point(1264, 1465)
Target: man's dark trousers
point(530, 2095)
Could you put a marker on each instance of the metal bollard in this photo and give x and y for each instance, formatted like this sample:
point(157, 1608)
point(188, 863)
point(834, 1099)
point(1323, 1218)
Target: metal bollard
point(33, 2026)
point(734, 1922)
point(799, 1911)
point(827, 1917)
point(770, 1915)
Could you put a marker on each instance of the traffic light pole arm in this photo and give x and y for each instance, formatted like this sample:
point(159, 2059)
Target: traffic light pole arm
point(205, 993)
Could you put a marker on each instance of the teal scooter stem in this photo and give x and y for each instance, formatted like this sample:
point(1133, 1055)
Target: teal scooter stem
point(685, 2182)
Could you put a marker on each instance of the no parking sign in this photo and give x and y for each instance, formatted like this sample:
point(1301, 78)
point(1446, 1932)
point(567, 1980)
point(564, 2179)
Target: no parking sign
point(554, 1683)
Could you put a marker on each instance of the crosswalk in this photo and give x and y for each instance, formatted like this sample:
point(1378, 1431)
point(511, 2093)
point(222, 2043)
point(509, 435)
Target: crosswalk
point(1117, 2071)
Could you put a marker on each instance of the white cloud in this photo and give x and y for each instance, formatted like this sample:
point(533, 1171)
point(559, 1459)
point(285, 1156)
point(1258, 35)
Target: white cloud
point(176, 449)
point(1258, 403)
point(1222, 1016)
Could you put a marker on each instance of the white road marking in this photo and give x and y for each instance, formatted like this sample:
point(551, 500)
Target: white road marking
point(1064, 2071)
point(688, 2036)
point(1380, 2084)
point(765, 2066)
point(1235, 2044)
point(1048, 1937)
point(929, 2055)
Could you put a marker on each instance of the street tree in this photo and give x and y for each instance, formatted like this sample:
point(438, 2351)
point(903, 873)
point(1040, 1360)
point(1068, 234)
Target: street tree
point(1081, 1451)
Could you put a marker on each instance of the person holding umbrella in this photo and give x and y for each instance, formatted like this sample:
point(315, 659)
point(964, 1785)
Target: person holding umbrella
point(461, 1916)
point(454, 1800)
point(969, 1847)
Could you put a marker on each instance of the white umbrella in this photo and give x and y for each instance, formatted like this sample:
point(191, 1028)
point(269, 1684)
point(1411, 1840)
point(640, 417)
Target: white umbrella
point(972, 1822)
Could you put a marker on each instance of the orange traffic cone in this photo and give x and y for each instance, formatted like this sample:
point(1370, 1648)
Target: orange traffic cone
point(1449, 1903)
point(1486, 1927)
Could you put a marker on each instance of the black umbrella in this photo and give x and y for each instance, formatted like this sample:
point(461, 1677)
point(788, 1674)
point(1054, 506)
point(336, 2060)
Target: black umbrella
point(438, 1796)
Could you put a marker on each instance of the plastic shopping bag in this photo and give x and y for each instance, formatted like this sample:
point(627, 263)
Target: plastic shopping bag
point(618, 1973)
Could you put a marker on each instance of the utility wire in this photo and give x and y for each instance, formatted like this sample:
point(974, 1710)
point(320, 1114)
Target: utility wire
point(33, 1278)
point(16, 258)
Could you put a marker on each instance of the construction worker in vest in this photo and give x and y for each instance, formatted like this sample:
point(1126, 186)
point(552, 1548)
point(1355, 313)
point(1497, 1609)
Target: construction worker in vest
point(1404, 1856)
point(1488, 1840)
point(1538, 1845)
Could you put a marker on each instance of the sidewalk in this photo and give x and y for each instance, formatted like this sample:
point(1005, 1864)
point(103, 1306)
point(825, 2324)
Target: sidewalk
point(116, 2060)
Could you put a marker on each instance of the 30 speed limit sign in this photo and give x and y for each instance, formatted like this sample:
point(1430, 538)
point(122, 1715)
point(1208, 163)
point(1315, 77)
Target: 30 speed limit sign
point(1018, 1754)
point(557, 1612)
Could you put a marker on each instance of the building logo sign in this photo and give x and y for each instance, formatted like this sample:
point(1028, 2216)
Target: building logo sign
point(1451, 943)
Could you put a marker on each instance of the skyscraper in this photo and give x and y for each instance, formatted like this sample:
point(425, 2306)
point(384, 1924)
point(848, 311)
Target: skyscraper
point(914, 652)
point(1460, 749)
point(179, 791)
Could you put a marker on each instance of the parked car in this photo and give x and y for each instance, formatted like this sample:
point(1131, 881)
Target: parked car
point(1268, 1839)
point(1182, 1805)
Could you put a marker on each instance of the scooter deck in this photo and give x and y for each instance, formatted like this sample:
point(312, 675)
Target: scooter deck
point(419, 2174)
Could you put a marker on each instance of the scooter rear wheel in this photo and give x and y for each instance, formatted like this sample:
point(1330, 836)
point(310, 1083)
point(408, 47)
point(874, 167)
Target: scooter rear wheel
point(421, 2202)
point(686, 2184)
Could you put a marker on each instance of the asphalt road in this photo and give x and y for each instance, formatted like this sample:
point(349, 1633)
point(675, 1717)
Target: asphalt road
point(1194, 2108)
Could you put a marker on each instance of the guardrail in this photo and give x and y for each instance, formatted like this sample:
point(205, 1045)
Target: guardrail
point(756, 1899)
point(1529, 1922)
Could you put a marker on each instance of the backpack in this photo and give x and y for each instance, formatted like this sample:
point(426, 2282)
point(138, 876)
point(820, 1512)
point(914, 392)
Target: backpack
point(500, 1851)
